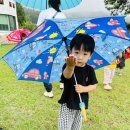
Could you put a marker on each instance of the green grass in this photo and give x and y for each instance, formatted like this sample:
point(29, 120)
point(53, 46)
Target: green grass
point(24, 107)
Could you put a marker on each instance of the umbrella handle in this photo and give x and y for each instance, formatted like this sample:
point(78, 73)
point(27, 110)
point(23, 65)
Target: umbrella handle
point(81, 104)
point(78, 93)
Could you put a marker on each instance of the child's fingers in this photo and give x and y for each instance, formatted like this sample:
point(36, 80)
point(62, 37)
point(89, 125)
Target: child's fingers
point(65, 58)
point(72, 58)
point(77, 88)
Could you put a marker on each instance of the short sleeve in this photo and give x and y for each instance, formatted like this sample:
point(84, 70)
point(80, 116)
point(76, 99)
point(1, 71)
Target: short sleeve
point(92, 77)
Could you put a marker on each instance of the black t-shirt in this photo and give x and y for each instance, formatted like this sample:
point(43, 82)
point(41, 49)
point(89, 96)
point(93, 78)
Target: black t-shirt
point(85, 76)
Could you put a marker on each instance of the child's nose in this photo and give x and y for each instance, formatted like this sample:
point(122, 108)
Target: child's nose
point(80, 56)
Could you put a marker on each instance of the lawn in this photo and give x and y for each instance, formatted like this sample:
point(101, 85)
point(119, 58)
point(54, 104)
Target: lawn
point(24, 107)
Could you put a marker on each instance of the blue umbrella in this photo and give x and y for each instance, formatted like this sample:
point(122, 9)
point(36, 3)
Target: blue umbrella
point(42, 4)
point(40, 56)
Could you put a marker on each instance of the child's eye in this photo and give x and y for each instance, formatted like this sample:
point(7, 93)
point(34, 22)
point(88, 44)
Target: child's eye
point(76, 52)
point(85, 54)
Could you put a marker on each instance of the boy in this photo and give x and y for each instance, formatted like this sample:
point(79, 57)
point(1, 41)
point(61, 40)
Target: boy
point(81, 49)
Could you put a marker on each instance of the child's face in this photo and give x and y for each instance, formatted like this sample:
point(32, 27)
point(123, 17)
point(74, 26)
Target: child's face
point(81, 55)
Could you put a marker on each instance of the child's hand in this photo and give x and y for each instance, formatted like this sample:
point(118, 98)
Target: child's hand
point(71, 61)
point(79, 88)
point(120, 55)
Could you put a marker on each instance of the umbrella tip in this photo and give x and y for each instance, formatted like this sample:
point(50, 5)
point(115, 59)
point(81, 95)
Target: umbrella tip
point(64, 38)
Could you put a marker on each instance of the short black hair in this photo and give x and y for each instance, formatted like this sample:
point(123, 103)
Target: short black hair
point(55, 4)
point(23, 35)
point(83, 39)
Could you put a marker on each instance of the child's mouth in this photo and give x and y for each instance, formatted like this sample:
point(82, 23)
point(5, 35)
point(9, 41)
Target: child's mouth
point(79, 62)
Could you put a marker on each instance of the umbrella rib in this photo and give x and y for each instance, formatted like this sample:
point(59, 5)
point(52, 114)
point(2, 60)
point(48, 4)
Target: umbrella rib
point(73, 3)
point(76, 28)
point(58, 28)
point(78, 1)
point(53, 63)
point(34, 4)
point(20, 1)
point(103, 57)
point(46, 4)
point(62, 50)
point(27, 2)
point(41, 5)
point(67, 4)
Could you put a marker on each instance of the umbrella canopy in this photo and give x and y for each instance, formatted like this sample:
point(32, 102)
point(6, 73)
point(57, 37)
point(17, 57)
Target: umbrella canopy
point(43, 4)
point(40, 56)
point(16, 35)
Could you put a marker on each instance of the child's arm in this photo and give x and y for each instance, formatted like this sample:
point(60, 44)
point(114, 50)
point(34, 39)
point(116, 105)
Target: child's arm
point(83, 89)
point(120, 55)
point(69, 70)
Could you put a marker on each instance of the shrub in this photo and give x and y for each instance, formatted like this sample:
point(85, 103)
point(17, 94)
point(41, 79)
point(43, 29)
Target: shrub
point(28, 25)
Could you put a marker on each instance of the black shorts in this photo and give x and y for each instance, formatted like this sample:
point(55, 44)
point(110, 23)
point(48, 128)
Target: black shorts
point(120, 65)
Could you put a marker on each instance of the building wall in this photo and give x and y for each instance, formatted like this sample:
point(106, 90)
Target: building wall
point(8, 8)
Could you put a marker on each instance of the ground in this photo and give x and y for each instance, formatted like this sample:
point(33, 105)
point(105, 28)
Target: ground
point(24, 107)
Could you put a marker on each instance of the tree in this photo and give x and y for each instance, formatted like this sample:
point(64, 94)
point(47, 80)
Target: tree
point(31, 15)
point(29, 25)
point(118, 7)
point(20, 14)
